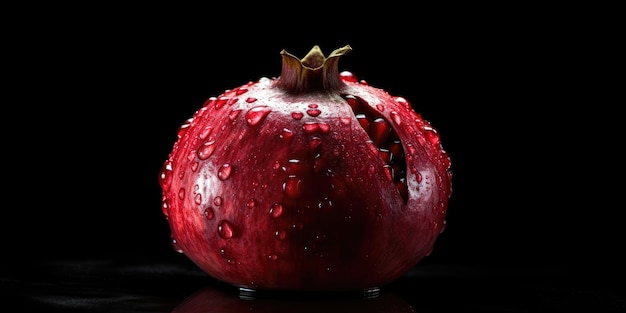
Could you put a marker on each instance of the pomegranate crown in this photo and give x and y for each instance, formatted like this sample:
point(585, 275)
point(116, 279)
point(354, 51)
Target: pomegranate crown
point(314, 72)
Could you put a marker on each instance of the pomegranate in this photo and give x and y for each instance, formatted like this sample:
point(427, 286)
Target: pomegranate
point(313, 180)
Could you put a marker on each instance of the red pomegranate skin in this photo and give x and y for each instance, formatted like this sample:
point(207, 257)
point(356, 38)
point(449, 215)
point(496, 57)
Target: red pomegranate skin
point(309, 181)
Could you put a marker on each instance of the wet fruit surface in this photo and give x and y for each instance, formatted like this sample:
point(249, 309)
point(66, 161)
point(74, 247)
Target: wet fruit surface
point(309, 181)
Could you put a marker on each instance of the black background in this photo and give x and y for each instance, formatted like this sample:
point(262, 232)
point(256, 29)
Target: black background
point(519, 100)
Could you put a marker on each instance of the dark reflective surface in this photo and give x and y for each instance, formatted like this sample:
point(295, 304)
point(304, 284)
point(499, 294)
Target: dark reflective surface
point(134, 285)
point(210, 299)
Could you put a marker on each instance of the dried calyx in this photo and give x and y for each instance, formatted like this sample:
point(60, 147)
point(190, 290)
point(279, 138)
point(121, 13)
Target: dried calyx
point(314, 72)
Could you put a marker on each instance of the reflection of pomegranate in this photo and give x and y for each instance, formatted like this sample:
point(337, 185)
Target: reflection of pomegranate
point(309, 181)
point(210, 299)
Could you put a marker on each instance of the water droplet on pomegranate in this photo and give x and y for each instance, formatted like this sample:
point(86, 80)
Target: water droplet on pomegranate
point(310, 127)
point(217, 201)
point(225, 229)
point(233, 115)
point(292, 187)
point(316, 127)
point(276, 210)
point(225, 171)
point(276, 165)
point(205, 132)
point(241, 91)
point(209, 213)
point(280, 234)
point(297, 115)
point(313, 112)
point(220, 102)
point(345, 120)
point(194, 166)
point(251, 203)
point(257, 114)
point(432, 136)
point(181, 193)
point(226, 256)
point(418, 176)
point(197, 199)
point(165, 176)
point(165, 207)
point(403, 102)
point(251, 100)
point(206, 150)
point(396, 117)
point(348, 76)
point(208, 102)
point(286, 135)
point(175, 245)
point(380, 107)
point(272, 257)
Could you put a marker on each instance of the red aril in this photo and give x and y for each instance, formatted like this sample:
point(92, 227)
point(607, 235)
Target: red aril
point(309, 181)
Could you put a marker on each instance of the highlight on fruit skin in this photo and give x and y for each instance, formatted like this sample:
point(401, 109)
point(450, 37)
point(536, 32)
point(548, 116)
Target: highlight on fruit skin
point(313, 180)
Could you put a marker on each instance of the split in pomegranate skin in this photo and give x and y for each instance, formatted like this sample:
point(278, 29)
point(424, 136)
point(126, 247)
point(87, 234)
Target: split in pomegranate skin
point(310, 181)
